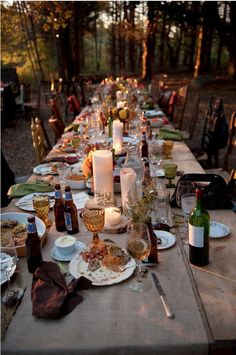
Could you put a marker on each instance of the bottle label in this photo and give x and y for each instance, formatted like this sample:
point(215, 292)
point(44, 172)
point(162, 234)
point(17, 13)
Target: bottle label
point(196, 236)
point(31, 228)
point(68, 221)
point(57, 194)
point(68, 196)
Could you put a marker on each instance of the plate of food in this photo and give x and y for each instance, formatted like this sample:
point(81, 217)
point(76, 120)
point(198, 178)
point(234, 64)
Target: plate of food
point(68, 145)
point(165, 239)
point(104, 264)
point(16, 224)
point(26, 202)
point(48, 168)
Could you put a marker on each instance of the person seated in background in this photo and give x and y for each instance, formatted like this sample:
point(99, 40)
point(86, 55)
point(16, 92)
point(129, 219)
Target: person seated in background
point(7, 180)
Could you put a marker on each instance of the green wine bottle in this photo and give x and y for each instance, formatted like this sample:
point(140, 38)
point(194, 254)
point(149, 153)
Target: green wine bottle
point(199, 228)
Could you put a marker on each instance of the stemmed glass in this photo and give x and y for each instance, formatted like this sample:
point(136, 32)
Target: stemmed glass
point(8, 262)
point(155, 155)
point(184, 187)
point(41, 204)
point(94, 220)
point(170, 171)
point(138, 246)
point(188, 202)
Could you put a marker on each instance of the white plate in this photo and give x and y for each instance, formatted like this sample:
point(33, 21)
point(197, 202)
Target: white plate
point(3, 275)
point(55, 254)
point(102, 276)
point(44, 169)
point(22, 218)
point(218, 230)
point(154, 113)
point(167, 239)
point(26, 202)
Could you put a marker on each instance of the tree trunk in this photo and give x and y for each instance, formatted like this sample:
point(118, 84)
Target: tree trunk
point(132, 6)
point(232, 44)
point(149, 43)
point(162, 43)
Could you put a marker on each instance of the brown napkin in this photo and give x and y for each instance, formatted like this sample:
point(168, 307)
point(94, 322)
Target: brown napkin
point(50, 295)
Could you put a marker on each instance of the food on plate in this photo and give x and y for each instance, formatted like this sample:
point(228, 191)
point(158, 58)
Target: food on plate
point(102, 253)
point(75, 177)
point(17, 230)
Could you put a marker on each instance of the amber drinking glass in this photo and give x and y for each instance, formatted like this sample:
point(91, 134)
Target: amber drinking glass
point(41, 205)
point(167, 149)
point(94, 219)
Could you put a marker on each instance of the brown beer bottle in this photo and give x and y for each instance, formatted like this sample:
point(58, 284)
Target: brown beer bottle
point(153, 256)
point(146, 180)
point(144, 146)
point(70, 213)
point(59, 210)
point(33, 246)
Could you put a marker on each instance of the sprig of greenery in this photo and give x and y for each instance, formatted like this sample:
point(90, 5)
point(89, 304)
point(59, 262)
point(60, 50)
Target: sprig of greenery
point(139, 209)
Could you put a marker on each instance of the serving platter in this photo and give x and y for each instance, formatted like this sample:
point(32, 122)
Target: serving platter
point(48, 168)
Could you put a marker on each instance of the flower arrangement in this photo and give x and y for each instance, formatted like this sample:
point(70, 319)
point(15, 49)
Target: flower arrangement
point(87, 165)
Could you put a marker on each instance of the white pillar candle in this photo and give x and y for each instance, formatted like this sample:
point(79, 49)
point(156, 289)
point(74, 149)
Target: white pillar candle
point(118, 136)
point(121, 104)
point(103, 173)
point(128, 184)
point(112, 216)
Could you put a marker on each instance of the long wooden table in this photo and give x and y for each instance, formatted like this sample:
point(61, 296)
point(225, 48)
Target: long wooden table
point(115, 320)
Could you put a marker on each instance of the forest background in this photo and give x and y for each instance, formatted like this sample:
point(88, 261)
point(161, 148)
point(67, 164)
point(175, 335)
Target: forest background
point(65, 39)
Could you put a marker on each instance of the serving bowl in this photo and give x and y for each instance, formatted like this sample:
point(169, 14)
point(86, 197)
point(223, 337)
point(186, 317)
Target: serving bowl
point(76, 181)
point(22, 219)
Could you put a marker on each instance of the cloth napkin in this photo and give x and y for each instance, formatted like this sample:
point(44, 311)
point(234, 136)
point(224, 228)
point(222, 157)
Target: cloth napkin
point(174, 135)
point(19, 190)
point(51, 297)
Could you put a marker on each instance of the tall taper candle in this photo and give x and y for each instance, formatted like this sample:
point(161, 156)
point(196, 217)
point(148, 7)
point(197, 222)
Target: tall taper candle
point(118, 136)
point(102, 173)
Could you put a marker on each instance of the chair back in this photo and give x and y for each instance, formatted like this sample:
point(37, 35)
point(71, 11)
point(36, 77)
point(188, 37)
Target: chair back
point(40, 142)
point(231, 140)
point(57, 126)
point(179, 108)
point(194, 116)
point(54, 107)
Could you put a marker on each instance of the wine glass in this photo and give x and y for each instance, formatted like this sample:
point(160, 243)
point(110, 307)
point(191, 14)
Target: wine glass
point(94, 220)
point(41, 204)
point(138, 245)
point(155, 155)
point(188, 202)
point(8, 262)
point(184, 187)
point(170, 170)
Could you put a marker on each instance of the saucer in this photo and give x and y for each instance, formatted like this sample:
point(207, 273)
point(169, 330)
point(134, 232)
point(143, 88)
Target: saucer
point(55, 254)
point(167, 239)
point(218, 230)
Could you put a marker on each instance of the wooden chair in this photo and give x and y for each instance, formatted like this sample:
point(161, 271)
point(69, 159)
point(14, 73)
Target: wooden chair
point(40, 139)
point(224, 171)
point(179, 107)
point(57, 126)
point(231, 140)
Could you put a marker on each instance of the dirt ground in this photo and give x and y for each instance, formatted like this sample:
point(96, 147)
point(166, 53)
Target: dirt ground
point(16, 141)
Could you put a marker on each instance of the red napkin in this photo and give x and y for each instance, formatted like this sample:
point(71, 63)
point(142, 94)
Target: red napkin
point(51, 297)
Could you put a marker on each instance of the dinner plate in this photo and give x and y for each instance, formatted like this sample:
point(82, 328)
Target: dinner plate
point(55, 254)
point(22, 219)
point(154, 113)
point(3, 275)
point(218, 230)
point(48, 168)
point(26, 202)
point(102, 276)
point(167, 239)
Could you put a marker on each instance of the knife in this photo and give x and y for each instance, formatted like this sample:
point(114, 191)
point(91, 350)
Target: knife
point(169, 312)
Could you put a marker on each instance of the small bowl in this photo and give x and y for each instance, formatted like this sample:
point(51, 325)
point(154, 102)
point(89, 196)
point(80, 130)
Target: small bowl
point(65, 244)
point(76, 184)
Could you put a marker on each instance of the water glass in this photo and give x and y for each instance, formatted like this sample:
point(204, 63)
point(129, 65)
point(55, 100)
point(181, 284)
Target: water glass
point(167, 149)
point(162, 207)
